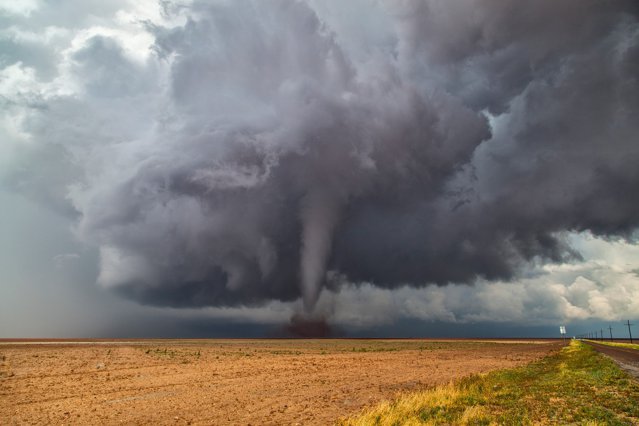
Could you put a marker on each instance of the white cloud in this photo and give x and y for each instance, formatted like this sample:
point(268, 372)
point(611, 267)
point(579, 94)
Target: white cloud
point(18, 7)
point(605, 286)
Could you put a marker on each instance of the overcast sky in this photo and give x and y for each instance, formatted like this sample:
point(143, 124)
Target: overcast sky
point(393, 168)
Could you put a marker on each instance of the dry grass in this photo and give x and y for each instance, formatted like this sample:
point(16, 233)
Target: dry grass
point(576, 386)
point(422, 408)
point(619, 345)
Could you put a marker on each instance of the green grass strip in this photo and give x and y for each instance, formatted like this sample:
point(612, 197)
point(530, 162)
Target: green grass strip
point(619, 345)
point(576, 386)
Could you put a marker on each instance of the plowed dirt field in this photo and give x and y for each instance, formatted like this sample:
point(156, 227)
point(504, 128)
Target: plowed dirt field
point(242, 382)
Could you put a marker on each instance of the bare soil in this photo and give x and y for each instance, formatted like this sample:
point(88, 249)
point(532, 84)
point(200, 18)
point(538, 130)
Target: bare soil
point(258, 382)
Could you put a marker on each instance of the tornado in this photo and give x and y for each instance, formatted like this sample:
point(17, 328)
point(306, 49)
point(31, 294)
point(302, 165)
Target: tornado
point(319, 214)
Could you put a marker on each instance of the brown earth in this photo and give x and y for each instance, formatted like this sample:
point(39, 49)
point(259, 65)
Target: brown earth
point(242, 382)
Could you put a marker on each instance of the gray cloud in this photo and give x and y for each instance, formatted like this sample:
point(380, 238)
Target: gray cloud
point(254, 146)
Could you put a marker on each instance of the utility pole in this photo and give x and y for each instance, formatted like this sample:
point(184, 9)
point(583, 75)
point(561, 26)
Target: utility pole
point(602, 334)
point(629, 332)
point(610, 328)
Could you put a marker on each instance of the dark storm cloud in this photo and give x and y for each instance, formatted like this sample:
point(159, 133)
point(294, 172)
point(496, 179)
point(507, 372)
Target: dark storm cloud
point(257, 149)
point(561, 154)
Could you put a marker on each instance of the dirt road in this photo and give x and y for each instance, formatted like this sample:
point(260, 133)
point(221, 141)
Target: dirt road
point(627, 358)
point(233, 381)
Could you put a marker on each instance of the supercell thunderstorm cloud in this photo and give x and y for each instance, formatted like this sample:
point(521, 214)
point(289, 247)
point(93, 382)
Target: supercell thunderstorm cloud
point(238, 153)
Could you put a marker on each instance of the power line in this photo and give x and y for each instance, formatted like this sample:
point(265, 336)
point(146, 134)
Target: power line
point(610, 328)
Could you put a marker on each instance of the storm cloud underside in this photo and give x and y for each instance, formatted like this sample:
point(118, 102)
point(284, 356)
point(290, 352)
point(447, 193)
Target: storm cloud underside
point(258, 145)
